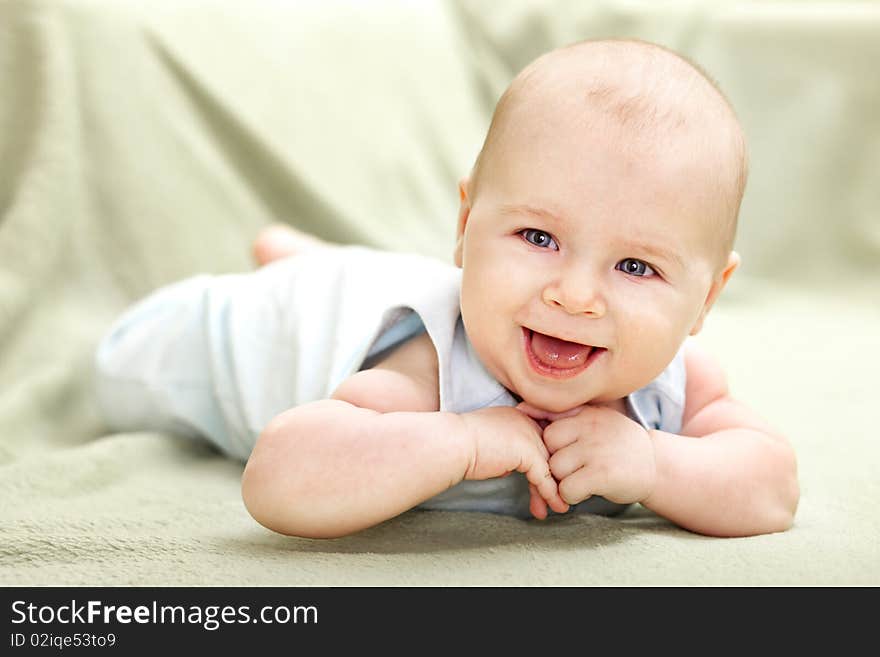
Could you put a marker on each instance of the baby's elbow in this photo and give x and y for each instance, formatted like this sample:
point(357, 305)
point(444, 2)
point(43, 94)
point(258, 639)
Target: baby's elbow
point(772, 498)
point(279, 512)
point(791, 487)
point(791, 499)
point(267, 495)
point(255, 492)
point(780, 518)
point(786, 492)
point(272, 492)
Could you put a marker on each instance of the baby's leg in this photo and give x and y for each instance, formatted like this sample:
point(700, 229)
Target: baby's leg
point(280, 240)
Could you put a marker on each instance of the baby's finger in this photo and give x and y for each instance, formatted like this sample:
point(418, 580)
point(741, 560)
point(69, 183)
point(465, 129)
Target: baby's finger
point(537, 505)
point(566, 461)
point(560, 435)
point(578, 486)
point(540, 476)
point(558, 504)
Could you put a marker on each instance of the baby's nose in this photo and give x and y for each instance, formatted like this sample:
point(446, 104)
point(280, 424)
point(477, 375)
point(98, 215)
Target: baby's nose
point(579, 297)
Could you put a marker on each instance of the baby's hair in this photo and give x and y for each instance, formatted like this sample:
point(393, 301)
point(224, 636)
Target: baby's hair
point(650, 98)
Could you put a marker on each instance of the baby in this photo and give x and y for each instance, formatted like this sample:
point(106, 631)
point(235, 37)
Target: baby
point(595, 233)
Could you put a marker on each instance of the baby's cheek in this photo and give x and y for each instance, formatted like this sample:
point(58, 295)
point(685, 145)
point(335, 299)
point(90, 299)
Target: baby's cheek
point(637, 365)
point(654, 328)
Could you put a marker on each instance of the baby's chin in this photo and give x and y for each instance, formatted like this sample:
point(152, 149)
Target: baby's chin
point(553, 405)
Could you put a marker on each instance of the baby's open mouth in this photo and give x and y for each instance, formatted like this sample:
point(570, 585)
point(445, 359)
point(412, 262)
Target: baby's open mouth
point(558, 358)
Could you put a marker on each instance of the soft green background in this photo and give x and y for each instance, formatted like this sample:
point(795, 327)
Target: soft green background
point(144, 142)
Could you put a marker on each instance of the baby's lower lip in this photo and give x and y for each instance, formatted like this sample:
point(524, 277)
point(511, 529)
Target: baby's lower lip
point(556, 372)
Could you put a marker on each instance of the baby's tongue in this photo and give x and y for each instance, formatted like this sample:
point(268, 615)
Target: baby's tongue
point(562, 354)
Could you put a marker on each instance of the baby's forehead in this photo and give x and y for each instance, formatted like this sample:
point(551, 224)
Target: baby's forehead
point(651, 101)
point(646, 91)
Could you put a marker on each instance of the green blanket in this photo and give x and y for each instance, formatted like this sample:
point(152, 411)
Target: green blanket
point(141, 143)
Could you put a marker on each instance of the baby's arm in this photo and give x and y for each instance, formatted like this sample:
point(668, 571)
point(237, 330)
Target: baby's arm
point(332, 467)
point(729, 473)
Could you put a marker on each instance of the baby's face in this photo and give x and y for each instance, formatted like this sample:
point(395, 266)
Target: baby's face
point(585, 264)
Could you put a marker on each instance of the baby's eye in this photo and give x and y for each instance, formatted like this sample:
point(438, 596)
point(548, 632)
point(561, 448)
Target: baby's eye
point(635, 267)
point(539, 238)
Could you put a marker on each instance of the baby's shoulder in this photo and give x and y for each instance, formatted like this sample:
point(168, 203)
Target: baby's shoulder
point(407, 379)
point(706, 379)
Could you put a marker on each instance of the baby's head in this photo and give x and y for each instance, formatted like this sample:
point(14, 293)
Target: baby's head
point(601, 211)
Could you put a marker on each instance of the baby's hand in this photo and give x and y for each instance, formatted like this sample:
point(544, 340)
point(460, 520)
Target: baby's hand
point(505, 440)
point(597, 451)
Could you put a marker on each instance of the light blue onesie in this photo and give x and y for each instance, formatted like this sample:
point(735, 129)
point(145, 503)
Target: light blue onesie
point(217, 357)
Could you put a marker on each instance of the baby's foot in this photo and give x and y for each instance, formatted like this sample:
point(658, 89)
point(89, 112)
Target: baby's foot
point(280, 240)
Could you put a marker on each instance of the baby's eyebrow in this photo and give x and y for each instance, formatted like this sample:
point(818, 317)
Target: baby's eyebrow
point(532, 210)
point(655, 251)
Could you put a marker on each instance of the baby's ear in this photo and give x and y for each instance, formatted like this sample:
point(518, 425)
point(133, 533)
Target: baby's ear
point(733, 261)
point(464, 212)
